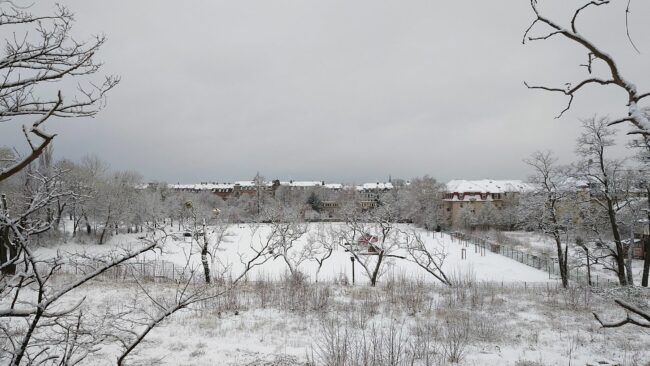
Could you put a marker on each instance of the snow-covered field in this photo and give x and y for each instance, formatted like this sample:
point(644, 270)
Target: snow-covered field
point(280, 323)
point(490, 267)
point(509, 314)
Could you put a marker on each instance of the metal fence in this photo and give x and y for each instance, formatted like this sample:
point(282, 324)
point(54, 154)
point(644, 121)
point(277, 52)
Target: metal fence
point(542, 262)
point(155, 270)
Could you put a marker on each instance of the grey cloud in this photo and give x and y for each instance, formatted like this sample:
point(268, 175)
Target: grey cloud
point(334, 90)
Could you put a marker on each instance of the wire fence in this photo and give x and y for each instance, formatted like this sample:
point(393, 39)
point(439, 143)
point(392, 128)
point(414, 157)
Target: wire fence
point(544, 263)
point(152, 270)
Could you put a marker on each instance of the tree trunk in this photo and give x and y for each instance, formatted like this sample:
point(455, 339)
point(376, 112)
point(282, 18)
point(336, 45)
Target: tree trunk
point(7, 253)
point(75, 224)
point(7, 250)
point(204, 255)
point(628, 262)
point(561, 260)
point(59, 214)
point(646, 249)
point(292, 270)
point(88, 228)
point(646, 262)
point(588, 266)
point(375, 273)
point(620, 254)
point(320, 265)
point(101, 237)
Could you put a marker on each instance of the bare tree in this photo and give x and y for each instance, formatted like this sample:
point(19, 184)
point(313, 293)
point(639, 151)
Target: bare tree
point(467, 217)
point(430, 258)
point(641, 147)
point(260, 250)
point(85, 180)
point(320, 245)
point(33, 296)
point(598, 246)
point(131, 332)
point(547, 205)
point(200, 214)
point(115, 201)
point(42, 51)
point(488, 216)
point(287, 227)
point(614, 77)
point(218, 233)
point(580, 243)
point(260, 190)
point(370, 238)
point(603, 176)
point(423, 201)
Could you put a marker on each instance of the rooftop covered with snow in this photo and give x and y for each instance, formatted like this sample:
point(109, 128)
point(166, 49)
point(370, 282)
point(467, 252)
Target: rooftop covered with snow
point(488, 186)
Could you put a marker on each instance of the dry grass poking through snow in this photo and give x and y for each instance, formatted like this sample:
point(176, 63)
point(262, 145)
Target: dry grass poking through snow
point(401, 322)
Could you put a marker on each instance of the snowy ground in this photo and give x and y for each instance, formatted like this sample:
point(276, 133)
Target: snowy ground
point(490, 267)
point(276, 323)
point(509, 314)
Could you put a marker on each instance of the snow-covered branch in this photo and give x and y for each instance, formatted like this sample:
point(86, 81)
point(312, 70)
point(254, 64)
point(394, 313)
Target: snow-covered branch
point(640, 122)
point(644, 322)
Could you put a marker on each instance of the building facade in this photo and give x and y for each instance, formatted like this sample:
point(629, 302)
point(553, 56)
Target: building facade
point(472, 195)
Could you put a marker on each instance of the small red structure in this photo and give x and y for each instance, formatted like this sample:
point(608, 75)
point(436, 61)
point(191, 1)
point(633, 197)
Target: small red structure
point(368, 241)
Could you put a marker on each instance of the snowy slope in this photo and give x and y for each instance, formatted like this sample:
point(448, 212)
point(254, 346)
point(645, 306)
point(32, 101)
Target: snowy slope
point(491, 267)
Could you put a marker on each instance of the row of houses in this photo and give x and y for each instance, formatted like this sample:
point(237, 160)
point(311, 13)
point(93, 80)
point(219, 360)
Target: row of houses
point(459, 194)
point(367, 194)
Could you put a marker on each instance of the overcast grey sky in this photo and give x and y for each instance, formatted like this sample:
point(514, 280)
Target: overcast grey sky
point(347, 90)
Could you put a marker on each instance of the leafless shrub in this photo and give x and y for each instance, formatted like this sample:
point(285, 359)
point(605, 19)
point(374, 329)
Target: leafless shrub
point(333, 346)
point(576, 297)
point(339, 345)
point(342, 280)
point(295, 289)
point(460, 278)
point(456, 338)
point(485, 327)
point(368, 299)
point(462, 296)
point(423, 345)
point(413, 296)
point(296, 279)
point(357, 317)
point(233, 301)
point(319, 298)
point(263, 291)
point(527, 363)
